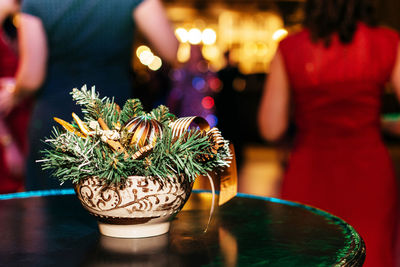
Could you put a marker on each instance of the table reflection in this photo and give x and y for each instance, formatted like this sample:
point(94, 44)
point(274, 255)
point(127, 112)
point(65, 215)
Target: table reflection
point(57, 231)
point(164, 250)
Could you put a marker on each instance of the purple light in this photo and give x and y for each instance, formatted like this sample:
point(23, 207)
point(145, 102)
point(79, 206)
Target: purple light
point(212, 120)
point(198, 83)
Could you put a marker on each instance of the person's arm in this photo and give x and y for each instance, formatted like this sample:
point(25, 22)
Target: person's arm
point(395, 78)
point(31, 71)
point(32, 42)
point(152, 21)
point(273, 114)
point(389, 125)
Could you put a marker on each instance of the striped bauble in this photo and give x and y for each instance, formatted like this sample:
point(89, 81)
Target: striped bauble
point(142, 131)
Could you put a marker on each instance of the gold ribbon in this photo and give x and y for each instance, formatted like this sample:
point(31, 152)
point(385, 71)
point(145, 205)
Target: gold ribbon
point(228, 179)
point(181, 125)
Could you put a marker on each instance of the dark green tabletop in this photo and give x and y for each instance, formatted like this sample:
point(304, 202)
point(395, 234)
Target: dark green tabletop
point(54, 230)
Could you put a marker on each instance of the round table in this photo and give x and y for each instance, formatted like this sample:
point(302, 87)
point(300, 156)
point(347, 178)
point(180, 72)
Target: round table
point(50, 228)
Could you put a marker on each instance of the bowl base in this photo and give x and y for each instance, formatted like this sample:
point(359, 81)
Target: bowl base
point(133, 230)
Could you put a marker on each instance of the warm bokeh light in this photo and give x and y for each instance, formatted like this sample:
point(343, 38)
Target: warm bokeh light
point(155, 64)
point(195, 36)
point(210, 52)
point(182, 35)
point(250, 49)
point(146, 57)
point(141, 49)
point(239, 84)
point(279, 34)
point(251, 37)
point(215, 84)
point(262, 49)
point(209, 36)
point(183, 54)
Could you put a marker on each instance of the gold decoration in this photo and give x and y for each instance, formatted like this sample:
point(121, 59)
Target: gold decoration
point(116, 145)
point(228, 180)
point(182, 125)
point(142, 131)
point(216, 139)
point(143, 151)
point(81, 132)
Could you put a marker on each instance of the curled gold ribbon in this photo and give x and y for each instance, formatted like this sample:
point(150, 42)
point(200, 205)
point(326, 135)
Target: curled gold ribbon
point(181, 125)
point(228, 181)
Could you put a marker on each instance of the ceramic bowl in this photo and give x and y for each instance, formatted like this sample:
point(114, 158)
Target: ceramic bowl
point(143, 207)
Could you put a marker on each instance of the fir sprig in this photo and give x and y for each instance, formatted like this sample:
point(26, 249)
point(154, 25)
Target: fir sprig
point(131, 109)
point(94, 108)
point(161, 113)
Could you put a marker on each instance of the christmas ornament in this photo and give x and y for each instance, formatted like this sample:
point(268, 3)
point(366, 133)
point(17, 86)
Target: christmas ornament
point(142, 130)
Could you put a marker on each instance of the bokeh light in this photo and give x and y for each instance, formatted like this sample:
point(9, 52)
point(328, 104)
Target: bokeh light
point(207, 102)
point(239, 84)
point(146, 57)
point(182, 35)
point(212, 120)
point(195, 36)
point(155, 64)
point(210, 52)
point(250, 49)
point(209, 36)
point(262, 49)
point(198, 83)
point(215, 84)
point(183, 54)
point(279, 34)
point(141, 49)
point(202, 66)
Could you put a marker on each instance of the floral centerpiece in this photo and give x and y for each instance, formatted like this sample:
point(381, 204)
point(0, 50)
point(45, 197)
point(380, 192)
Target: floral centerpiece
point(131, 169)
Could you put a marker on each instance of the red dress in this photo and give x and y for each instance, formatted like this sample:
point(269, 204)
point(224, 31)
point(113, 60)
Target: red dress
point(339, 162)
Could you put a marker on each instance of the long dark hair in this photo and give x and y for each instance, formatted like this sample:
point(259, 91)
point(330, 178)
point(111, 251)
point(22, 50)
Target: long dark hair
point(325, 17)
point(9, 28)
point(8, 25)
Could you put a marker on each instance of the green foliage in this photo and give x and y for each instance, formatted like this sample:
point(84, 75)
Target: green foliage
point(161, 113)
point(73, 158)
point(132, 108)
point(94, 108)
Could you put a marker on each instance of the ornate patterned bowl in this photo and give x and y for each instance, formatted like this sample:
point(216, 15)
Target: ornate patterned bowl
point(143, 207)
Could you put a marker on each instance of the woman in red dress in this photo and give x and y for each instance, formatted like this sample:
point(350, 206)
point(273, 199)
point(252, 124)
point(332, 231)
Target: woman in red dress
point(13, 127)
point(334, 72)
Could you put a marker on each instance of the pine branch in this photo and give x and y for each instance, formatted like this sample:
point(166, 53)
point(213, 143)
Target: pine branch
point(92, 105)
point(131, 109)
point(161, 113)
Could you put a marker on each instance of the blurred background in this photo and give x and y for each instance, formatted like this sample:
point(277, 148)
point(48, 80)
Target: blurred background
point(225, 49)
